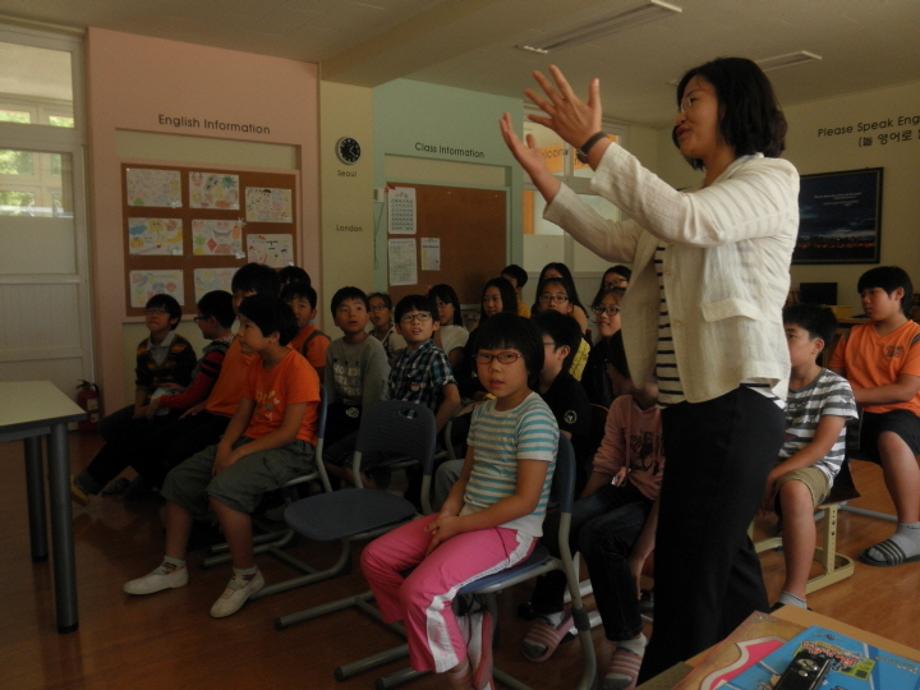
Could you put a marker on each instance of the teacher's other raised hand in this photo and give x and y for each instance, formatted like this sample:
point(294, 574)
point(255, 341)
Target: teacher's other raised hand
point(573, 119)
point(530, 158)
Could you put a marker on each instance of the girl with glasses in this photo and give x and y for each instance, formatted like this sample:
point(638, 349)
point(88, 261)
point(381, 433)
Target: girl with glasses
point(606, 375)
point(491, 520)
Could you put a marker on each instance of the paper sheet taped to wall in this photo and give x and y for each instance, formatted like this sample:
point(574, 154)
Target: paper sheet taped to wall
point(146, 284)
point(431, 253)
point(401, 256)
point(401, 211)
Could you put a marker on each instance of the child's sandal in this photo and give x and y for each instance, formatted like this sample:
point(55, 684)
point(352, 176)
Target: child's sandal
point(543, 639)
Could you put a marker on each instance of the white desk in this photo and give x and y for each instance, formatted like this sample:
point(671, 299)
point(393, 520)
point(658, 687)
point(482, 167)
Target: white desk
point(28, 411)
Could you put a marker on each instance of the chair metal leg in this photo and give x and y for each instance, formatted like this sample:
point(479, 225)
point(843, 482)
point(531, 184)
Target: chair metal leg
point(874, 514)
point(312, 575)
point(400, 677)
point(346, 671)
point(263, 543)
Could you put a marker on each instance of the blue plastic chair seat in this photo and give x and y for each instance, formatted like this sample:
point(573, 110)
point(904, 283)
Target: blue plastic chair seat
point(537, 559)
point(346, 513)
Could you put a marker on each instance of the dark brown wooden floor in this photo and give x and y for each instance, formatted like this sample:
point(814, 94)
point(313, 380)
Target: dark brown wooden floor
point(169, 641)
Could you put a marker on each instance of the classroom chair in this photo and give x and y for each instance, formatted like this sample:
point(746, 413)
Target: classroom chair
point(389, 428)
point(539, 563)
point(270, 539)
point(854, 433)
point(834, 566)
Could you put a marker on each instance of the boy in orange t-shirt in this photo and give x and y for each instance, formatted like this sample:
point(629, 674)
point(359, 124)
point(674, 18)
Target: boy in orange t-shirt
point(881, 360)
point(269, 441)
point(311, 342)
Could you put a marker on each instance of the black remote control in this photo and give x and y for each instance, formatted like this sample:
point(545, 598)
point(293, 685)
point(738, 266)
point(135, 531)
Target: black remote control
point(806, 672)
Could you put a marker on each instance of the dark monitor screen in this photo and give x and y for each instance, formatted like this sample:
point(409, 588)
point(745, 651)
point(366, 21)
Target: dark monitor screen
point(818, 293)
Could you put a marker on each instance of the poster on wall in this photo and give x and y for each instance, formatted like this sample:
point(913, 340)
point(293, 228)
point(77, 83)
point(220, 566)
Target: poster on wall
point(208, 279)
point(217, 237)
point(276, 251)
point(155, 188)
point(146, 284)
point(214, 190)
point(401, 211)
point(431, 253)
point(268, 205)
point(401, 255)
point(155, 236)
point(840, 218)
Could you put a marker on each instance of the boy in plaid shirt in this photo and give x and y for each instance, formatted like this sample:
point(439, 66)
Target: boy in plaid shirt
point(421, 372)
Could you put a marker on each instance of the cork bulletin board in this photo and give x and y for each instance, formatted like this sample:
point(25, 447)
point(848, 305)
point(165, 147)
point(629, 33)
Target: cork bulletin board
point(471, 228)
point(186, 230)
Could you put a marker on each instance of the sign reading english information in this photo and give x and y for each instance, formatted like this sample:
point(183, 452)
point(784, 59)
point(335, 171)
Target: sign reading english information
point(184, 122)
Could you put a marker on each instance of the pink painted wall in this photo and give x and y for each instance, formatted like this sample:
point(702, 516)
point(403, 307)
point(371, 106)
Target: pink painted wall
point(131, 80)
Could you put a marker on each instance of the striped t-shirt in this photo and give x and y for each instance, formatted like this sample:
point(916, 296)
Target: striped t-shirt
point(499, 439)
point(670, 390)
point(828, 394)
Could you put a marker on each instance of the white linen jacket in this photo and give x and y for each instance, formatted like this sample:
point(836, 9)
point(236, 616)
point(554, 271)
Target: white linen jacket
point(726, 270)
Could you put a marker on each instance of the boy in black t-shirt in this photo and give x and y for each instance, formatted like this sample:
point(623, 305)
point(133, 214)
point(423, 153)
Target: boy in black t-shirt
point(565, 396)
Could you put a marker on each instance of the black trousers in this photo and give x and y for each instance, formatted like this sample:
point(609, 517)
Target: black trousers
point(604, 528)
point(153, 447)
point(707, 575)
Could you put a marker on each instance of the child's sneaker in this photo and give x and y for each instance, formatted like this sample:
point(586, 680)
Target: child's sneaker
point(77, 493)
point(164, 576)
point(238, 590)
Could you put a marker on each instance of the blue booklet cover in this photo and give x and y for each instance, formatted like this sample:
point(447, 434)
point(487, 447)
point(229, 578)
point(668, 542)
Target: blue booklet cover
point(855, 665)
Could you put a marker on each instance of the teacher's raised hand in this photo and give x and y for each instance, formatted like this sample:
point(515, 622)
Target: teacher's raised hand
point(565, 113)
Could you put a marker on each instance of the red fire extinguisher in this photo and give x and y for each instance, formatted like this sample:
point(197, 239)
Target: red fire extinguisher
point(88, 398)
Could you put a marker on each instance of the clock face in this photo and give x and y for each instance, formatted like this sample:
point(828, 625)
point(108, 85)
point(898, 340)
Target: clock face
point(348, 150)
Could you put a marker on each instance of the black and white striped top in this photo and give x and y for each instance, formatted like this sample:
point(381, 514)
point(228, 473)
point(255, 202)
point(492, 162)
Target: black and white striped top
point(828, 395)
point(670, 390)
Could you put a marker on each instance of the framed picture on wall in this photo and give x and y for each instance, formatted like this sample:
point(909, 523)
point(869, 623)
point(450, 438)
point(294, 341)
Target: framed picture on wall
point(840, 218)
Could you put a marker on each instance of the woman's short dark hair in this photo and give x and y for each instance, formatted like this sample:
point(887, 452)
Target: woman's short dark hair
point(750, 118)
point(509, 296)
point(514, 332)
point(445, 293)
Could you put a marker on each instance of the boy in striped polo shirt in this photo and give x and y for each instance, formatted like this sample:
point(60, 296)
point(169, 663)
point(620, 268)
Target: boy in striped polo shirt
point(813, 451)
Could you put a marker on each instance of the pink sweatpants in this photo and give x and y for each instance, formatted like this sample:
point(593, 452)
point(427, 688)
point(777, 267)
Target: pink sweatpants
point(423, 599)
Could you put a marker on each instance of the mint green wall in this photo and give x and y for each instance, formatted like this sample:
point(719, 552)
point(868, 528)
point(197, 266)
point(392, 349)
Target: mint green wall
point(410, 116)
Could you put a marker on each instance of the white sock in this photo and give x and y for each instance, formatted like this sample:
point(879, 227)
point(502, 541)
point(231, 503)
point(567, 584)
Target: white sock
point(176, 563)
point(245, 573)
point(790, 599)
point(554, 619)
point(907, 537)
point(635, 645)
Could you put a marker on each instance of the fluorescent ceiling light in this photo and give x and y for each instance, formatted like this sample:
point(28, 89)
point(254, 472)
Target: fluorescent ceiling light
point(650, 11)
point(800, 57)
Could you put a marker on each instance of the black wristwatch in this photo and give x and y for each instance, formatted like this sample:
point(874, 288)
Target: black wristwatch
point(582, 153)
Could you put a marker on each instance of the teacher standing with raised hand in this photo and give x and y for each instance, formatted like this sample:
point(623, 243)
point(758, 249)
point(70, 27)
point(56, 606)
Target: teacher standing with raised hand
point(703, 315)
